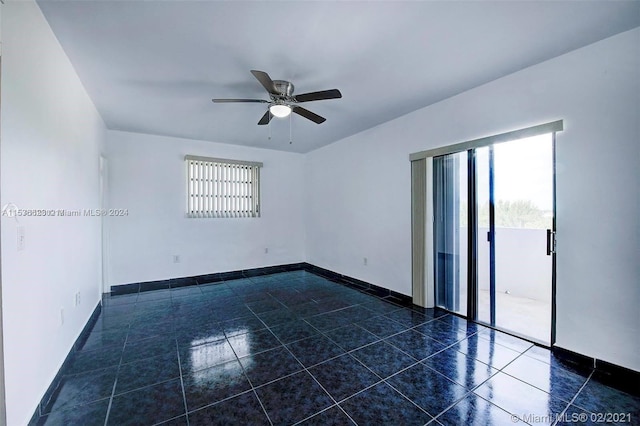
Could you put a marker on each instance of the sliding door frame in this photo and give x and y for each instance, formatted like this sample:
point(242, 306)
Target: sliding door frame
point(423, 276)
point(492, 240)
point(553, 252)
point(3, 399)
point(472, 238)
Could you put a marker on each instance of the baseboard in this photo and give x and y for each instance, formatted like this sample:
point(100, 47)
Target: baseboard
point(618, 377)
point(53, 388)
point(575, 358)
point(389, 295)
point(612, 375)
point(202, 279)
point(384, 293)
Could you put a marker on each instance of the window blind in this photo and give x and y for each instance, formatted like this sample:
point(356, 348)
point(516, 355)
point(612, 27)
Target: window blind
point(218, 188)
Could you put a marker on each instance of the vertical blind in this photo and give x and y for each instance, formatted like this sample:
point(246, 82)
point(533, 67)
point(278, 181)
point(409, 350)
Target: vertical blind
point(418, 229)
point(219, 187)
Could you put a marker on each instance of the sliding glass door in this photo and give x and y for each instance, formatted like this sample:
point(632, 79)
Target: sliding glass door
point(485, 230)
point(523, 194)
point(450, 236)
point(493, 234)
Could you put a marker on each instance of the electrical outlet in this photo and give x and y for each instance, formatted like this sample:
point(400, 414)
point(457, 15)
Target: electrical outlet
point(76, 299)
point(266, 250)
point(176, 258)
point(22, 238)
point(365, 261)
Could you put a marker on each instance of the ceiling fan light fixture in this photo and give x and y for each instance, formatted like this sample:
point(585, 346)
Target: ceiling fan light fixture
point(280, 110)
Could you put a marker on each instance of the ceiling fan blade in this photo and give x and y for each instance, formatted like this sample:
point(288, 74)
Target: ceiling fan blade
point(265, 80)
point(266, 118)
point(318, 96)
point(309, 115)
point(219, 101)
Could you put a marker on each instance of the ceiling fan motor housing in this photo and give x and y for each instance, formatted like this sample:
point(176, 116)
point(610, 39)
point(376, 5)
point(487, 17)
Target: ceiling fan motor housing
point(283, 88)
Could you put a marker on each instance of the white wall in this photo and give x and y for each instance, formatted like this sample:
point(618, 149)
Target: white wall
point(147, 176)
point(50, 144)
point(358, 189)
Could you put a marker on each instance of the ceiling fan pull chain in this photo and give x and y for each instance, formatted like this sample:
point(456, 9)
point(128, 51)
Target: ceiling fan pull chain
point(290, 138)
point(269, 124)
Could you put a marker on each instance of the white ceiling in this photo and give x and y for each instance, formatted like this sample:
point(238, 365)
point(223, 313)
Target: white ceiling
point(153, 66)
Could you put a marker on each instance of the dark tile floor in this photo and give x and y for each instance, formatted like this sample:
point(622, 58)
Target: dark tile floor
point(295, 348)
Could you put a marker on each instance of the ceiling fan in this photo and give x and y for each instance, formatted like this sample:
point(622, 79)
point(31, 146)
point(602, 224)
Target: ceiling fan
point(283, 101)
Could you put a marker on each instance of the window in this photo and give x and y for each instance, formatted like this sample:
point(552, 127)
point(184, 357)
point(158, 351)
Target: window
point(222, 188)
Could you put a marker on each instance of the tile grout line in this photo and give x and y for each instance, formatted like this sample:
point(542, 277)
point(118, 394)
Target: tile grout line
point(115, 382)
point(252, 387)
point(122, 359)
point(384, 380)
point(467, 390)
point(323, 411)
point(576, 396)
point(478, 396)
point(314, 378)
point(289, 375)
point(349, 353)
point(419, 407)
point(368, 368)
point(184, 395)
point(237, 359)
point(501, 370)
